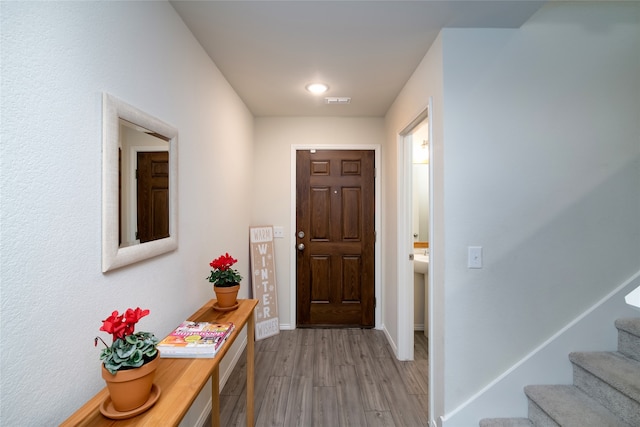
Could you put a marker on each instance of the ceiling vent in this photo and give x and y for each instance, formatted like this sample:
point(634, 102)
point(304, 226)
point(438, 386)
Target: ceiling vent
point(342, 100)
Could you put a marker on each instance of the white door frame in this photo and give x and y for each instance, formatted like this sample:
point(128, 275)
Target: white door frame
point(405, 239)
point(293, 232)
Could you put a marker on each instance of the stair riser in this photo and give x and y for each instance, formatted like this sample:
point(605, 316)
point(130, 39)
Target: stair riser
point(629, 345)
point(539, 418)
point(617, 402)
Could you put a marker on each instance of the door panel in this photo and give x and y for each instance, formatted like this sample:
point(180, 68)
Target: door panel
point(153, 195)
point(335, 200)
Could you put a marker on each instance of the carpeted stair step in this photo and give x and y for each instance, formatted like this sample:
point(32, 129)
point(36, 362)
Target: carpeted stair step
point(610, 378)
point(629, 337)
point(567, 406)
point(605, 390)
point(506, 422)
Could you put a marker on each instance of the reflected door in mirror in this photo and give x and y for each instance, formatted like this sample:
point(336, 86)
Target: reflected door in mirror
point(153, 195)
point(144, 174)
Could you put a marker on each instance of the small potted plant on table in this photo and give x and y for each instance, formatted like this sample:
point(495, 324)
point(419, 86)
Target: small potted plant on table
point(129, 365)
point(226, 282)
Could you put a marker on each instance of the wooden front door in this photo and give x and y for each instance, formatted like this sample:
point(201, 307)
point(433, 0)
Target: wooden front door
point(153, 195)
point(335, 237)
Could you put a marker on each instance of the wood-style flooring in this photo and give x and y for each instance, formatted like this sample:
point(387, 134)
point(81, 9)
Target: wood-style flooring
point(332, 378)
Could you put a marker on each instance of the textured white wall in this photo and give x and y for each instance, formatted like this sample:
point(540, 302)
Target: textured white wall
point(57, 59)
point(272, 199)
point(541, 169)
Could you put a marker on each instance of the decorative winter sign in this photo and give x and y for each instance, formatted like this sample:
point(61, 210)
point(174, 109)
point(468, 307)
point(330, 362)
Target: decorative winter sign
point(264, 282)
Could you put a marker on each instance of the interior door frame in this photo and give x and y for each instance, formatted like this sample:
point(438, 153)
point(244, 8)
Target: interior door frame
point(292, 232)
point(405, 240)
point(405, 244)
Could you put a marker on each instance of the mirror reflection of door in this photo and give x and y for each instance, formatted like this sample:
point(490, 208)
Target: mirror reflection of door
point(153, 195)
point(335, 236)
point(144, 203)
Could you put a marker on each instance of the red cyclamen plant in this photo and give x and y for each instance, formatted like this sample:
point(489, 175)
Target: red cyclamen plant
point(222, 274)
point(129, 349)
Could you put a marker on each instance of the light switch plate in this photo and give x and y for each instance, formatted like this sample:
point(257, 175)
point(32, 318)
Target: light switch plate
point(278, 232)
point(474, 259)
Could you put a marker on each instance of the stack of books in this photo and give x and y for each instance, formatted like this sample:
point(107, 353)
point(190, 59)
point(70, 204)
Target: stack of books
point(195, 340)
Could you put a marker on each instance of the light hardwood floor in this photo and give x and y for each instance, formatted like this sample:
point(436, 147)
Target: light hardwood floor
point(333, 378)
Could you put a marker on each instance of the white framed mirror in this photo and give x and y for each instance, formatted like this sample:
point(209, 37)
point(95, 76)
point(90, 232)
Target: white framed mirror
point(139, 216)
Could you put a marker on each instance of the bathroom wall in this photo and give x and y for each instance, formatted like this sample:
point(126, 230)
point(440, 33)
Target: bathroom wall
point(57, 58)
point(421, 227)
point(420, 214)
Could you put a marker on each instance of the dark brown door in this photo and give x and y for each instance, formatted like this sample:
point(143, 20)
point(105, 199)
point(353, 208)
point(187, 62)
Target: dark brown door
point(153, 195)
point(335, 203)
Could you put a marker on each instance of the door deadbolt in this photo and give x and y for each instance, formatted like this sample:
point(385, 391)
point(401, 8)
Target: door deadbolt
point(301, 234)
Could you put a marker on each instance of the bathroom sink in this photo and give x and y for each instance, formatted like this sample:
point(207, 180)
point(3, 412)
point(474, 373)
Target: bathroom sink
point(420, 263)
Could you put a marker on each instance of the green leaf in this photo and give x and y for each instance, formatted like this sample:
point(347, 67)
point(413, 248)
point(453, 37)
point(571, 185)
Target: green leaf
point(112, 367)
point(131, 339)
point(136, 357)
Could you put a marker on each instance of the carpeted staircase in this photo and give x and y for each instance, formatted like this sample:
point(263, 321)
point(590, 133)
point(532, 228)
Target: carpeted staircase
point(605, 390)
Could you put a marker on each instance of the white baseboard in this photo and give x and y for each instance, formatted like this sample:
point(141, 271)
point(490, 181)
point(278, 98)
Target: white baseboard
point(287, 327)
point(392, 343)
point(204, 414)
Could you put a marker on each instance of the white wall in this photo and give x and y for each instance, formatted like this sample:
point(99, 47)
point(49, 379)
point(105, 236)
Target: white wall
point(425, 82)
point(542, 166)
point(57, 59)
point(537, 159)
point(272, 201)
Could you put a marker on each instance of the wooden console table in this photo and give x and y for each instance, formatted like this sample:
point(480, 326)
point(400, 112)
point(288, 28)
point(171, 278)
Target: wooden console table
point(181, 380)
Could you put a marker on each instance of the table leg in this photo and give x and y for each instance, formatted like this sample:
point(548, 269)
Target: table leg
point(250, 367)
point(215, 397)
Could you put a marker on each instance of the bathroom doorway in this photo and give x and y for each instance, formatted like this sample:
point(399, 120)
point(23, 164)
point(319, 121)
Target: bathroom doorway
point(414, 231)
point(420, 224)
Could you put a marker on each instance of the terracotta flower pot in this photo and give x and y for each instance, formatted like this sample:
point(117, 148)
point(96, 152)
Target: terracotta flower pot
point(226, 295)
point(129, 389)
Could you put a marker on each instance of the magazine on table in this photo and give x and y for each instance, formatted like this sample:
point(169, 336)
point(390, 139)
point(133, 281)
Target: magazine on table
point(195, 339)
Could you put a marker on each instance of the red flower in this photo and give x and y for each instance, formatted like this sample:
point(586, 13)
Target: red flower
point(221, 272)
point(223, 263)
point(122, 325)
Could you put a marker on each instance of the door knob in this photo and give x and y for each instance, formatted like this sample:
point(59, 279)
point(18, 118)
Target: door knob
point(301, 247)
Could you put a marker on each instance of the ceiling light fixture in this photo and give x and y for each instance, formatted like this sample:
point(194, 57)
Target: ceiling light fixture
point(317, 88)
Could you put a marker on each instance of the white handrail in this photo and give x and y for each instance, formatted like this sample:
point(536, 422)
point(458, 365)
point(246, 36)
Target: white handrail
point(633, 298)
